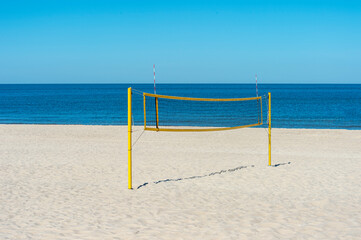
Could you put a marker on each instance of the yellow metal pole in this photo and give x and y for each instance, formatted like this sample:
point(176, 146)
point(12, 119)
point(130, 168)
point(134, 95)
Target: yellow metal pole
point(145, 117)
point(258, 109)
point(156, 109)
point(269, 129)
point(261, 113)
point(129, 138)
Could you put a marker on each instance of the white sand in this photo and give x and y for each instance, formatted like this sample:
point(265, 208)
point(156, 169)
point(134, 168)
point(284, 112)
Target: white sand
point(70, 182)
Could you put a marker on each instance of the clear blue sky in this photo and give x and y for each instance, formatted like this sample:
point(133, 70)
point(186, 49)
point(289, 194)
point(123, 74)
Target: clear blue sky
point(189, 41)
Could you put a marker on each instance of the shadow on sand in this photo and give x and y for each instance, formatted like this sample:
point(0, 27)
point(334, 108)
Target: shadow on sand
point(193, 177)
point(280, 164)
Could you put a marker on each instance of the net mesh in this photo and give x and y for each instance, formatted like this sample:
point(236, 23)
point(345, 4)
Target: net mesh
point(162, 113)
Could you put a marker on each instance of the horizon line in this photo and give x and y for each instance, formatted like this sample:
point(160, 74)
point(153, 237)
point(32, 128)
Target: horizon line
point(157, 83)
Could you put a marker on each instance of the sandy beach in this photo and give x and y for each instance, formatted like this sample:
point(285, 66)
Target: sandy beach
point(70, 182)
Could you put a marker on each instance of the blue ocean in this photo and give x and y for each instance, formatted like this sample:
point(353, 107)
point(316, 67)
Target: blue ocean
point(323, 106)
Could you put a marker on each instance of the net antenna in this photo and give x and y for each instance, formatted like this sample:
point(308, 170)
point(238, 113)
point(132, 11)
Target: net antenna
point(256, 87)
point(155, 99)
point(258, 103)
point(155, 91)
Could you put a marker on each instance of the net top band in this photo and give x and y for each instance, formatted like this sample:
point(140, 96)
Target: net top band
point(201, 99)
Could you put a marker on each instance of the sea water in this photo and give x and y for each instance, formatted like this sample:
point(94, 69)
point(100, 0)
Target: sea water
point(324, 106)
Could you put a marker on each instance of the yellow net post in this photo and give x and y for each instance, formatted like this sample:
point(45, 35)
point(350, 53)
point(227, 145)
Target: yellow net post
point(269, 129)
point(145, 116)
point(130, 138)
point(258, 109)
point(156, 112)
point(261, 113)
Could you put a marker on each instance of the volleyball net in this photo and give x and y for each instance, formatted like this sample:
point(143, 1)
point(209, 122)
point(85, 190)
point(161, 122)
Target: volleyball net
point(186, 114)
point(170, 113)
